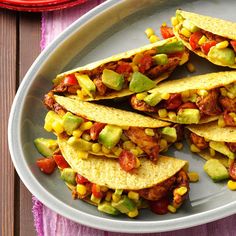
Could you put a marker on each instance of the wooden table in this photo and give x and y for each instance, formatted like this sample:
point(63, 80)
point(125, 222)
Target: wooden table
point(20, 35)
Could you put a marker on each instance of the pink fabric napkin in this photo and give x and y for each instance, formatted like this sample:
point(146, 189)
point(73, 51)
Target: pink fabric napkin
point(49, 223)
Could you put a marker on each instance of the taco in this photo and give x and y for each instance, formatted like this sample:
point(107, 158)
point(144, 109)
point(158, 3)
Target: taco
point(194, 100)
point(213, 142)
point(104, 183)
point(106, 131)
point(136, 70)
point(208, 37)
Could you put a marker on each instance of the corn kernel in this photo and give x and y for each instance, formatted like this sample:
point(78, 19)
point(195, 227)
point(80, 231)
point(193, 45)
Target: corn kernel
point(77, 133)
point(133, 213)
point(223, 92)
point(221, 122)
point(134, 67)
point(162, 113)
point(172, 115)
point(164, 24)
point(174, 21)
point(231, 185)
point(82, 155)
point(48, 126)
point(191, 68)
point(202, 40)
point(154, 39)
point(133, 195)
point(57, 126)
point(185, 32)
point(185, 94)
point(230, 95)
point(134, 151)
point(163, 144)
point(184, 58)
point(81, 189)
point(141, 96)
point(212, 152)
point(232, 114)
point(137, 163)
point(116, 197)
point(140, 151)
point(202, 92)
point(117, 151)
point(181, 190)
point(80, 94)
point(223, 44)
point(178, 145)
point(86, 125)
point(84, 93)
point(108, 196)
point(137, 57)
point(171, 209)
point(149, 132)
point(149, 32)
point(193, 176)
point(165, 96)
point(104, 188)
point(96, 147)
point(105, 150)
point(128, 145)
point(194, 148)
point(86, 137)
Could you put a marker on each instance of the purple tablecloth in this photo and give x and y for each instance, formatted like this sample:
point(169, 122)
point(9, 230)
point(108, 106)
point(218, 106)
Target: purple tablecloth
point(49, 223)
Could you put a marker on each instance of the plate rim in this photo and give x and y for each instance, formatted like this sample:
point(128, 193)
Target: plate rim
point(69, 212)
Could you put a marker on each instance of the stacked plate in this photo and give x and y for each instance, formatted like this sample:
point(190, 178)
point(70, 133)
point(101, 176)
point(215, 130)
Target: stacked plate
point(39, 5)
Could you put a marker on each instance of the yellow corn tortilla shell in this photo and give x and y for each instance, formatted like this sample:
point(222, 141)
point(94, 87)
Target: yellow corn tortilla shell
point(211, 131)
point(107, 115)
point(107, 172)
point(214, 25)
point(124, 55)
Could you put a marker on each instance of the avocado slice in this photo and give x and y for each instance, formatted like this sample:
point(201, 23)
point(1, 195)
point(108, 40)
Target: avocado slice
point(125, 205)
point(108, 208)
point(110, 136)
point(188, 116)
point(216, 170)
point(80, 143)
point(112, 79)
point(224, 56)
point(140, 83)
point(68, 175)
point(169, 134)
point(71, 122)
point(171, 47)
point(190, 26)
point(153, 99)
point(222, 148)
point(160, 59)
point(46, 147)
point(86, 84)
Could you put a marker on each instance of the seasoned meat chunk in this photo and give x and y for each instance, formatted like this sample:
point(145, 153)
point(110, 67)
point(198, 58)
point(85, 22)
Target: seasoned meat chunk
point(141, 105)
point(100, 86)
point(228, 104)
point(198, 141)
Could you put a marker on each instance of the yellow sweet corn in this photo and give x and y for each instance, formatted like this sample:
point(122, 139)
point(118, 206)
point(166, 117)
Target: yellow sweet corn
point(164, 24)
point(174, 21)
point(141, 96)
point(77, 133)
point(57, 126)
point(185, 94)
point(149, 132)
point(172, 115)
point(149, 32)
point(137, 163)
point(133, 213)
point(140, 151)
point(82, 155)
point(202, 40)
point(133, 195)
point(134, 151)
point(194, 148)
point(108, 196)
point(134, 68)
point(105, 150)
point(128, 145)
point(185, 32)
point(165, 96)
point(223, 92)
point(162, 113)
point(154, 39)
point(163, 144)
point(230, 95)
point(86, 137)
point(231, 185)
point(223, 44)
point(212, 152)
point(191, 68)
point(202, 92)
point(137, 58)
point(86, 125)
point(178, 145)
point(171, 209)
point(48, 126)
point(221, 122)
point(184, 59)
point(117, 151)
point(193, 176)
point(181, 190)
point(80, 94)
point(116, 197)
point(81, 189)
point(96, 147)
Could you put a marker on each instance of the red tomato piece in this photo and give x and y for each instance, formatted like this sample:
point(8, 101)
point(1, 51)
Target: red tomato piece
point(166, 32)
point(96, 191)
point(127, 160)
point(174, 101)
point(159, 207)
point(81, 179)
point(60, 161)
point(207, 46)
point(233, 44)
point(70, 80)
point(145, 63)
point(123, 68)
point(46, 165)
point(194, 38)
point(96, 129)
point(232, 170)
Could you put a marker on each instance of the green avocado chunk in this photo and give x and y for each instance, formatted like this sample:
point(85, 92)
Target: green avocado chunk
point(86, 84)
point(160, 59)
point(225, 56)
point(216, 170)
point(171, 47)
point(169, 134)
point(125, 205)
point(71, 122)
point(110, 136)
point(153, 99)
point(222, 148)
point(140, 83)
point(68, 175)
point(46, 147)
point(80, 144)
point(112, 79)
point(188, 116)
point(190, 26)
point(108, 208)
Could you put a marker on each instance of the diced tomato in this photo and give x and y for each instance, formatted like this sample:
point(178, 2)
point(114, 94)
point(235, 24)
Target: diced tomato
point(124, 67)
point(159, 207)
point(233, 44)
point(232, 170)
point(188, 105)
point(96, 129)
point(81, 179)
point(194, 38)
point(70, 80)
point(46, 165)
point(145, 63)
point(207, 46)
point(174, 101)
point(60, 161)
point(166, 32)
point(96, 191)
point(127, 160)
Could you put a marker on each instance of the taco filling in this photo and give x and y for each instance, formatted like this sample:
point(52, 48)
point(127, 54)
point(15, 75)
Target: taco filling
point(131, 72)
